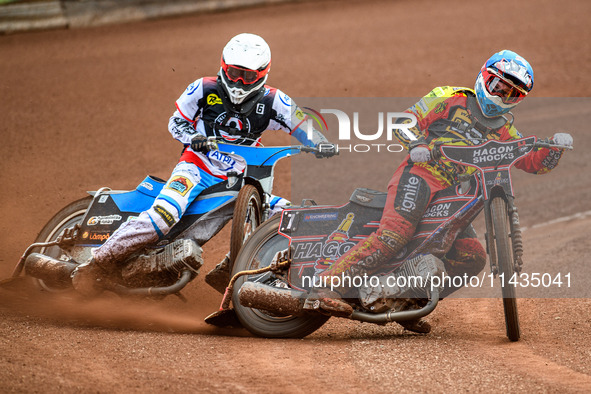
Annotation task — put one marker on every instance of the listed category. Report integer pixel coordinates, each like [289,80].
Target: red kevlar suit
[446,113]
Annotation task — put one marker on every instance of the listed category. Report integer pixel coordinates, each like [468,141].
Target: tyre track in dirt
[518,357]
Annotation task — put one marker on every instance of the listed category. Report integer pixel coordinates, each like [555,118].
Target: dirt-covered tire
[246,219]
[66,218]
[258,252]
[506,267]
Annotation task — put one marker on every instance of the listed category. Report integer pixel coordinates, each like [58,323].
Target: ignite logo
[409,200]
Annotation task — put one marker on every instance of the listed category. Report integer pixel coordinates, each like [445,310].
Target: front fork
[515,235]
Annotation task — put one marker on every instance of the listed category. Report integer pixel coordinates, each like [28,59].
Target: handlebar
[436,152]
[325,149]
[544,144]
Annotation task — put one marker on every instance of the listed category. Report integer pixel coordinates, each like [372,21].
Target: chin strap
[480,122]
[246,107]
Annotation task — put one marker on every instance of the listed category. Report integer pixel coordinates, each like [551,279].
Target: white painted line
[579,215]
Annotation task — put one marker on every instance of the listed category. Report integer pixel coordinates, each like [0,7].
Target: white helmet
[245,64]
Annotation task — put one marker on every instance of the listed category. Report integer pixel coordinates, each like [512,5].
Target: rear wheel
[258,252]
[66,218]
[500,217]
[247,217]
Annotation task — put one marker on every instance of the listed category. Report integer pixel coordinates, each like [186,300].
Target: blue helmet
[504,80]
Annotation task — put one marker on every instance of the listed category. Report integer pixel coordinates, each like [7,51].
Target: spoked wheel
[500,217]
[247,217]
[258,252]
[66,218]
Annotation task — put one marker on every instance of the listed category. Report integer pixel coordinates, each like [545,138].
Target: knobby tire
[500,221]
[258,252]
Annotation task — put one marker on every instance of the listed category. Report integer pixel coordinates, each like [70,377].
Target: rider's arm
[287,116]
[182,123]
[539,160]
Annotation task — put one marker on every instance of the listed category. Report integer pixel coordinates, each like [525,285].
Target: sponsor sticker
[165,215]
[440,107]
[213,99]
[422,106]
[99,236]
[300,114]
[285,99]
[321,216]
[193,87]
[147,185]
[362,198]
[103,220]
[180,184]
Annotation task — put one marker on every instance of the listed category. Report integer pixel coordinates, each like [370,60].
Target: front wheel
[246,218]
[66,218]
[500,217]
[258,252]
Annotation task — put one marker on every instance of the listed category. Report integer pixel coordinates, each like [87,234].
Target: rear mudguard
[109,209]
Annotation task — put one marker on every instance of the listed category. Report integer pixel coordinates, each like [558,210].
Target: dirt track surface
[83,109]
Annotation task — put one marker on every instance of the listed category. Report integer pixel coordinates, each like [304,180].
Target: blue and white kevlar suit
[200,110]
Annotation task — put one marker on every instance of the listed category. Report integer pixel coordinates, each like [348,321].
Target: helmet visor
[247,76]
[503,88]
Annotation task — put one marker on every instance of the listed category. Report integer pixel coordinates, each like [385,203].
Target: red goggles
[502,87]
[246,75]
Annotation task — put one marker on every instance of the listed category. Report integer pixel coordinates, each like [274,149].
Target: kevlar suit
[445,114]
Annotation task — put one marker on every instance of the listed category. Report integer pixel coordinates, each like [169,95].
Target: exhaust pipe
[272,299]
[290,302]
[49,269]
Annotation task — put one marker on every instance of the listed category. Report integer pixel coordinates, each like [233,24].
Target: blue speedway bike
[166,268]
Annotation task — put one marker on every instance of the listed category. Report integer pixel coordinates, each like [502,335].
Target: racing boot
[219,277]
[419,326]
[365,258]
[94,276]
[467,257]
[329,302]
[91,279]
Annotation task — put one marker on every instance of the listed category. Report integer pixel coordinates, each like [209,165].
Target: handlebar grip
[550,145]
[304,148]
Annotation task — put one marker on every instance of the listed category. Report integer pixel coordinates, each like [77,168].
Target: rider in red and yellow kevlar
[446,114]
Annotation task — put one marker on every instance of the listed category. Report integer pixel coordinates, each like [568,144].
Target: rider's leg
[278,204]
[466,258]
[185,184]
[409,193]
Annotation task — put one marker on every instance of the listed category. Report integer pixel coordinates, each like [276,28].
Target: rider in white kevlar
[236,107]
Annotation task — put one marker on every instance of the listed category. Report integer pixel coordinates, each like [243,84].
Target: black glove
[200,143]
[326,149]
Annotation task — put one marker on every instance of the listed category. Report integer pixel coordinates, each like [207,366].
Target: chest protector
[233,127]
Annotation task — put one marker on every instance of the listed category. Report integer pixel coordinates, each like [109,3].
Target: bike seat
[369,198]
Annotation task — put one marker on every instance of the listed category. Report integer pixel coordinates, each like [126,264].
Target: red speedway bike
[270,288]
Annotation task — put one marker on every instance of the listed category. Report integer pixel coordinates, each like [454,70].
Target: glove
[326,149]
[201,143]
[563,139]
[420,154]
